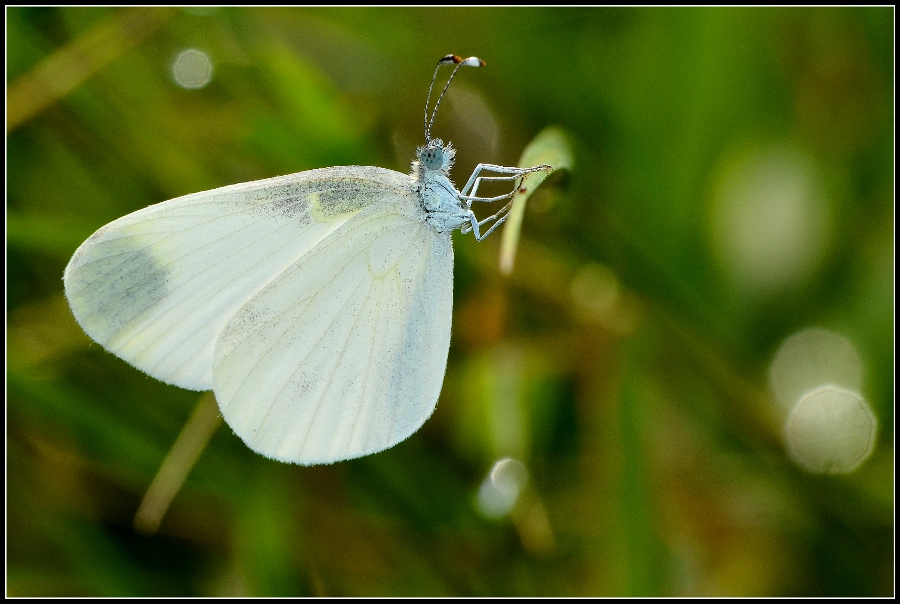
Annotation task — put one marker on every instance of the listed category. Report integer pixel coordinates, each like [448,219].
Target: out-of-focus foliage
[732,185]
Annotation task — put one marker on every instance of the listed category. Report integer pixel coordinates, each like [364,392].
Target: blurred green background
[732,185]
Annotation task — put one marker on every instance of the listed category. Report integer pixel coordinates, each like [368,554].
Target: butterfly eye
[433,158]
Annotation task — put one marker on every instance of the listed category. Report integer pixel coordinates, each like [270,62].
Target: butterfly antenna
[459,61]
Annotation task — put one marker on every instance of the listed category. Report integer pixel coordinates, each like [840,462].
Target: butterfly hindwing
[344,353]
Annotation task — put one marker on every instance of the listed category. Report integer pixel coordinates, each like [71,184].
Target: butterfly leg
[469,194]
[473,194]
[475,178]
[475,225]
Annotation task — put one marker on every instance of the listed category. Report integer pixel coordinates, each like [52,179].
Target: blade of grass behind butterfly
[551,147]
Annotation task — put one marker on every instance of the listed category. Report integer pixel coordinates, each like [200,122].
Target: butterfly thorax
[439,197]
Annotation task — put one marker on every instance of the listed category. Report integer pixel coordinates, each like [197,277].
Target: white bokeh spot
[192,69]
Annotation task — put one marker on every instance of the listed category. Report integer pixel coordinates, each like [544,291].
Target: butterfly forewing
[158,286]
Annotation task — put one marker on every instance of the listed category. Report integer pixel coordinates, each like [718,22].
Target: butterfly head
[433,157]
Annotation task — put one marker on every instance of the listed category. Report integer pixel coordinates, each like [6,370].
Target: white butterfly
[316,306]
